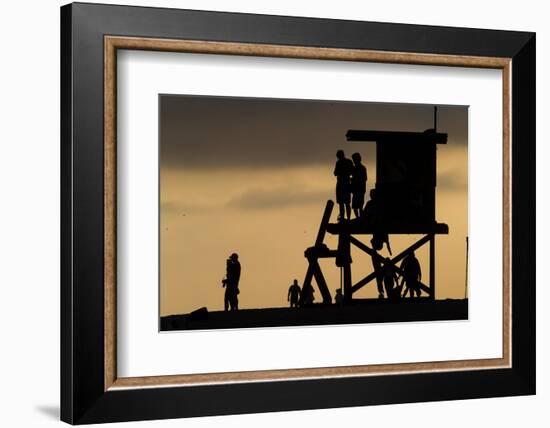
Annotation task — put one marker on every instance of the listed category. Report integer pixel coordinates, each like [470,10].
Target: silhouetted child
[339,297]
[294,294]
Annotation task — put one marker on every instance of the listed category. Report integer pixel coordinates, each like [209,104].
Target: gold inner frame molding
[113,43]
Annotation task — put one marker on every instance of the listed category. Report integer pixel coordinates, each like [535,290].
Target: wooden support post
[432,267]
[344,249]
[347,284]
[314,253]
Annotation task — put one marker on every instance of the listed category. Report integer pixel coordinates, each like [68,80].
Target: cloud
[169,206]
[277,198]
[204,133]
[454,179]
[252,199]
[179,208]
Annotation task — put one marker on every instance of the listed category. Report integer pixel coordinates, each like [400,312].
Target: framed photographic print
[257,188]
[265,213]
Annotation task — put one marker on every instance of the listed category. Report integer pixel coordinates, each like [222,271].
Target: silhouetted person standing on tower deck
[294,294]
[342,171]
[231,283]
[358,185]
[412,274]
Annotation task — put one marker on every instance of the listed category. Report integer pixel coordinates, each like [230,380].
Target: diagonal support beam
[372,276]
[397,258]
[394,260]
[321,283]
[363,282]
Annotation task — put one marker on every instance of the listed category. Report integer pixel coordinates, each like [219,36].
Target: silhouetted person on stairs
[377,267]
[294,294]
[374,214]
[342,171]
[358,185]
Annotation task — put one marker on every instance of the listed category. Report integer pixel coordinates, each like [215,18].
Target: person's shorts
[358,200]
[343,193]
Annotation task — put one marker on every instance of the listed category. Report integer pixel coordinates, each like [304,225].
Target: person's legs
[340,201]
[232,298]
[358,200]
[226,299]
[408,287]
[342,212]
[388,284]
[417,288]
[347,199]
[380,285]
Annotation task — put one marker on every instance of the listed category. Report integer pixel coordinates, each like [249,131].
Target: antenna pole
[466,280]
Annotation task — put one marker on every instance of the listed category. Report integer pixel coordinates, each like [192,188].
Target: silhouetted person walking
[342,171]
[231,283]
[294,294]
[412,274]
[358,185]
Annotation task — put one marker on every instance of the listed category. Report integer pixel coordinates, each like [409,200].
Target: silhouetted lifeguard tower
[405,196]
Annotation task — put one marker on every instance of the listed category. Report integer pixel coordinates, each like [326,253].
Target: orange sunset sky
[252,176]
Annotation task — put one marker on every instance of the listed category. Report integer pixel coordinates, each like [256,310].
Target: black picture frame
[83,396]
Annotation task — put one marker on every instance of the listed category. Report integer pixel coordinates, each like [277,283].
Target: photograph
[293,212]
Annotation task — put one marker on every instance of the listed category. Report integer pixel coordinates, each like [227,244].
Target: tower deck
[359,227]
